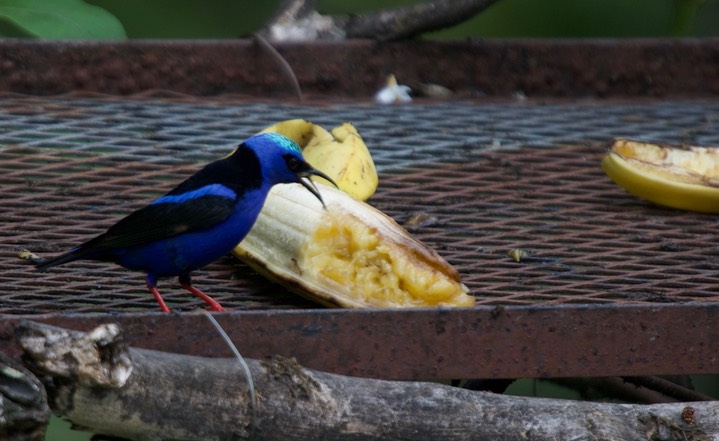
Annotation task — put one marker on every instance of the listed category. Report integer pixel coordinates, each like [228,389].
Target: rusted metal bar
[511,342]
[357,68]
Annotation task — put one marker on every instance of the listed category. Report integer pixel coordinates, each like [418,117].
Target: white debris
[393,92]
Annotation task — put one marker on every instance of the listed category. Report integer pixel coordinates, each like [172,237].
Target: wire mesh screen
[473,180]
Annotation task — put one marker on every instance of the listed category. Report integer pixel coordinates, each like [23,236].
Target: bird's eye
[294,163]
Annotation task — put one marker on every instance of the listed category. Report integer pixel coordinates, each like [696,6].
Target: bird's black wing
[161,221]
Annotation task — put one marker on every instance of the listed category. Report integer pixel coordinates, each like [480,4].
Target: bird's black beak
[304,179]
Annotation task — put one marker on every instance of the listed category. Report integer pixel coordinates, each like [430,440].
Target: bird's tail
[70,256]
[88,250]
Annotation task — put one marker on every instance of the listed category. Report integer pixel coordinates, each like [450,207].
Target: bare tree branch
[411,21]
[169,396]
[299,20]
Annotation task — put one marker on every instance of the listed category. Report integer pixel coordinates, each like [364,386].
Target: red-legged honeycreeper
[202,219]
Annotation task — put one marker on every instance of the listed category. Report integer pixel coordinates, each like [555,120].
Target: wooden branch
[413,20]
[24,413]
[298,20]
[142,394]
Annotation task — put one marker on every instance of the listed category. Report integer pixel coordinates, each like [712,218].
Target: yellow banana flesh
[341,154]
[347,160]
[300,131]
[678,177]
[347,255]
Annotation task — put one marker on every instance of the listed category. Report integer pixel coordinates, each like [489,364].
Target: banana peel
[348,255]
[342,154]
[300,131]
[681,177]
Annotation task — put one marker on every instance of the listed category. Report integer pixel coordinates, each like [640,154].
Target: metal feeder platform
[611,285]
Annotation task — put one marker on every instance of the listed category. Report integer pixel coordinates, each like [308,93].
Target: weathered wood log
[24,413]
[98,382]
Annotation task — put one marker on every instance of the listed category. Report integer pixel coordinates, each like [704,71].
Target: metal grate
[482,177]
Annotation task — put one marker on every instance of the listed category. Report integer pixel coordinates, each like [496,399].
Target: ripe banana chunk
[679,177]
[342,154]
[348,255]
[346,160]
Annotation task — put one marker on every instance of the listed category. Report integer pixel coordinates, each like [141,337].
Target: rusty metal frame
[483,342]
[480,68]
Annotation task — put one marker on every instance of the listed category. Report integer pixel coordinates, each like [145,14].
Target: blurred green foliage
[189,18]
[570,18]
[117,19]
[61,430]
[592,18]
[58,19]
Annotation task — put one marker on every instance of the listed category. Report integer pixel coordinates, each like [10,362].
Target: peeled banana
[347,255]
[678,177]
[341,154]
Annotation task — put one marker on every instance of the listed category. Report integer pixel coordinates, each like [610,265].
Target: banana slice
[346,160]
[341,154]
[678,177]
[348,255]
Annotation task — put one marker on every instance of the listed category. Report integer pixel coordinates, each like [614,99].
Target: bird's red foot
[158,297]
[214,305]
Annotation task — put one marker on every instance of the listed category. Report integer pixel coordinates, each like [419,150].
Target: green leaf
[58,19]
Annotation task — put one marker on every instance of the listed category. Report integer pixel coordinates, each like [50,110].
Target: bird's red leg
[187,284]
[153,289]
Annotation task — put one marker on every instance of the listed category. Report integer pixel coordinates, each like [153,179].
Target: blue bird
[202,219]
